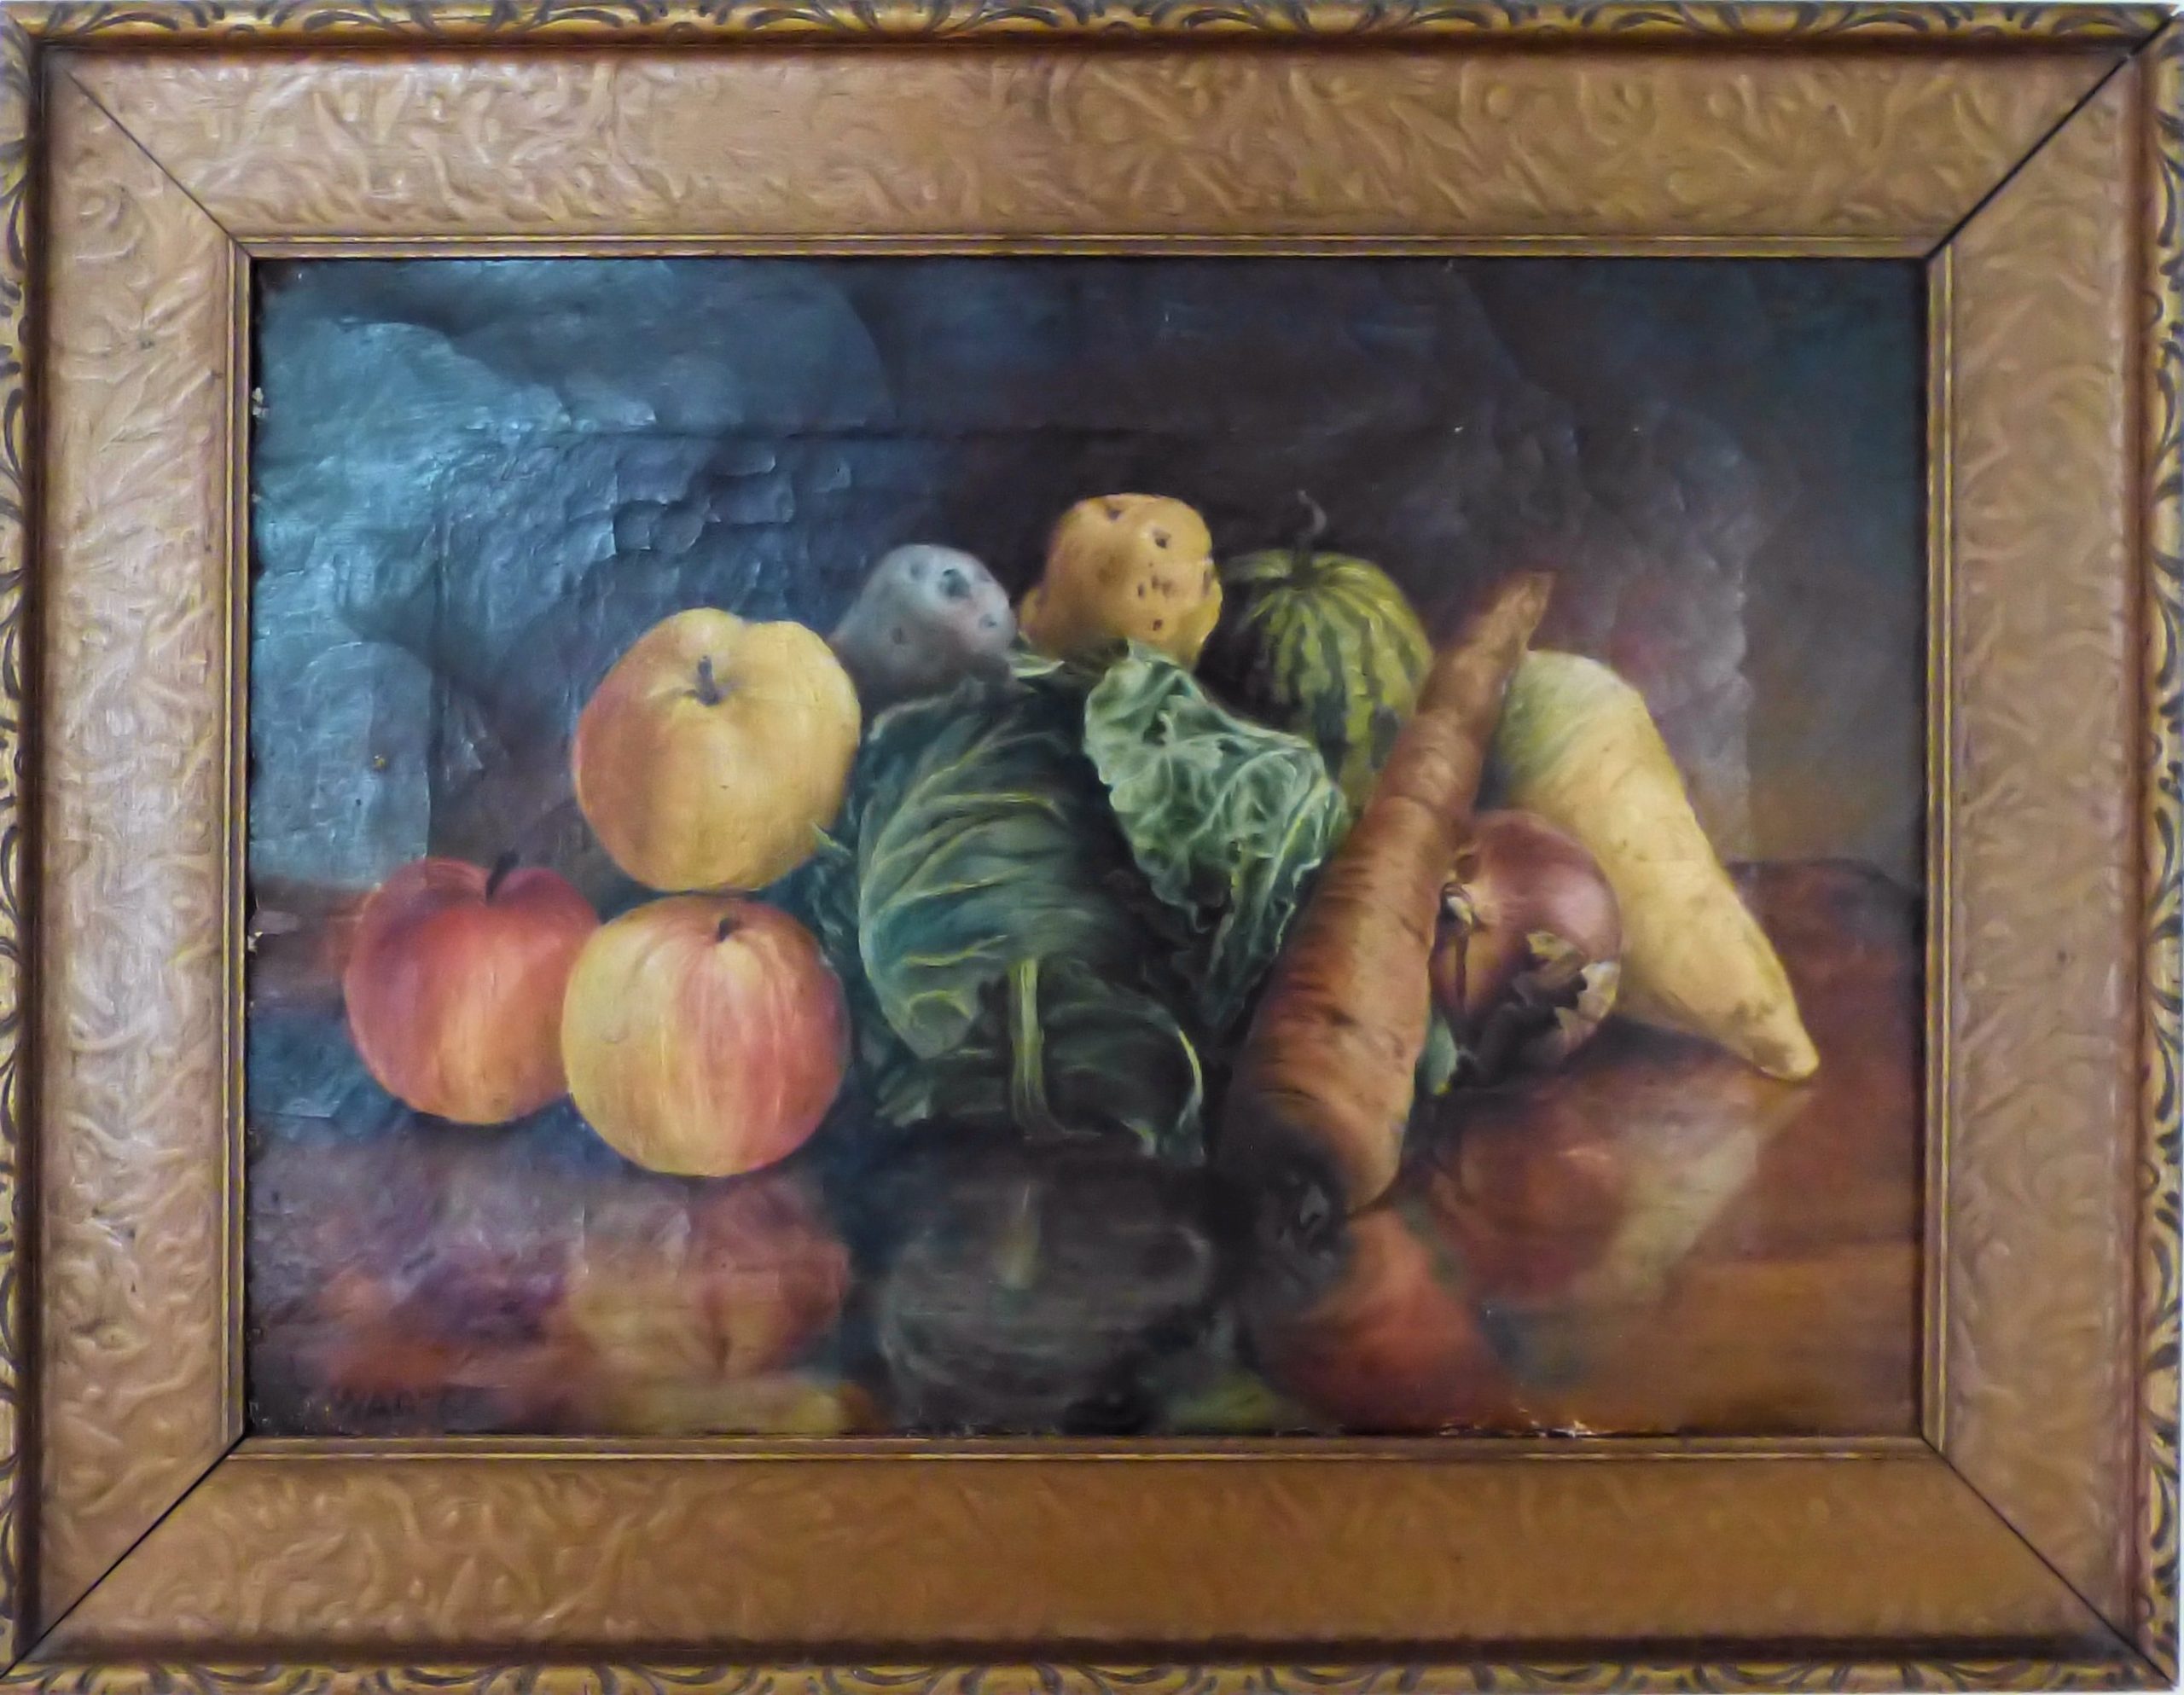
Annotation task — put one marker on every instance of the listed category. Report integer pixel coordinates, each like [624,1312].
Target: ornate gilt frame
[2031,156]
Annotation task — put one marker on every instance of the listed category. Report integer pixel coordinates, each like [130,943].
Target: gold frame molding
[2031,156]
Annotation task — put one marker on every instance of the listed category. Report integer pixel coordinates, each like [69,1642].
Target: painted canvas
[1086,846]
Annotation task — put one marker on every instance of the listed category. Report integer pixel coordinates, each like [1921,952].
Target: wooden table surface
[1654,1239]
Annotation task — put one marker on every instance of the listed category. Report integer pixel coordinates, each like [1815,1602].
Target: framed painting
[1095,847]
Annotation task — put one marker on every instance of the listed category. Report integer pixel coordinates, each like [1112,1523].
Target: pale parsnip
[1577,746]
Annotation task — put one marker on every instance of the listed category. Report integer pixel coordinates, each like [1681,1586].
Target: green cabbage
[1069,1053]
[1225,818]
[1051,897]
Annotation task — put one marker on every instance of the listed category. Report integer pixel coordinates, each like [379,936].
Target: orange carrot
[1321,1091]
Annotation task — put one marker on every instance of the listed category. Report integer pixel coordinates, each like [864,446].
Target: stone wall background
[475,482]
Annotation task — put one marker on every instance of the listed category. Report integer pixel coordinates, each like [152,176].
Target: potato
[1125,568]
[926,617]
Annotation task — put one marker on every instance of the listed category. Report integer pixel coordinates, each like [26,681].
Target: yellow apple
[704,1035]
[715,751]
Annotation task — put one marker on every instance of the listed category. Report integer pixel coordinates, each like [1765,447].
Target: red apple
[705,1035]
[454,986]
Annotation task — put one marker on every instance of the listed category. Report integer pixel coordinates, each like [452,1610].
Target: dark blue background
[476,482]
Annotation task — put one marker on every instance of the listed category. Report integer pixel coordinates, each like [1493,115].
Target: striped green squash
[1324,646]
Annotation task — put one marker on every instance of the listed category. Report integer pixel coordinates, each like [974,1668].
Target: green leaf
[981,840]
[1442,1058]
[1061,1051]
[1227,820]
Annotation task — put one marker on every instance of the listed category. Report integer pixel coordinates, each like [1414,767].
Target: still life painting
[1093,846]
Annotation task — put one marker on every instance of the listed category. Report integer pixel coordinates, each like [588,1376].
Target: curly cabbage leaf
[1066,1053]
[978,842]
[981,906]
[1227,819]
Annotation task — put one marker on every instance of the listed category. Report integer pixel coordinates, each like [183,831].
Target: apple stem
[498,875]
[708,691]
[727,927]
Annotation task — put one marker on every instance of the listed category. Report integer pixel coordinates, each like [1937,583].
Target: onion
[1528,952]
